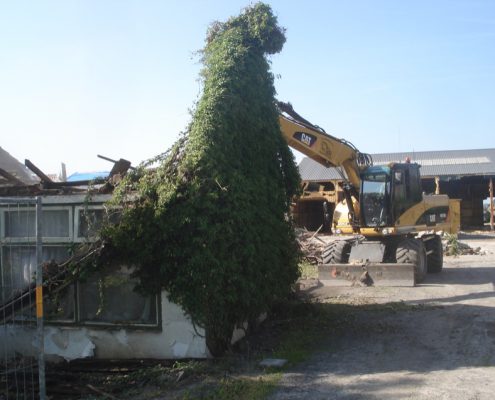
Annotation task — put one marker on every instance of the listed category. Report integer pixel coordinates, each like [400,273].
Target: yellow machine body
[388,221]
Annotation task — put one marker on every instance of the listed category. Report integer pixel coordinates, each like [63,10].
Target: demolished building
[100,316]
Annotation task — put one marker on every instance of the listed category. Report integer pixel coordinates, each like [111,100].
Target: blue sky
[80,78]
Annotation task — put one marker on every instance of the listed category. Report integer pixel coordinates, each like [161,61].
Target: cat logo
[305,138]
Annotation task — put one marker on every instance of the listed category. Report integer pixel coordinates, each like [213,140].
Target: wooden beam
[120,167]
[37,171]
[116,161]
[56,185]
[11,178]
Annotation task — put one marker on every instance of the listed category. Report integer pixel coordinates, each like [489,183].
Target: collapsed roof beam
[37,171]
[56,185]
[120,166]
[11,178]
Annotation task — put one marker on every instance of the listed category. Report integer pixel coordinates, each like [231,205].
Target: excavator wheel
[413,251]
[336,252]
[435,258]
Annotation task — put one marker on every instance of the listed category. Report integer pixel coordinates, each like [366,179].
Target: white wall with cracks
[178,338]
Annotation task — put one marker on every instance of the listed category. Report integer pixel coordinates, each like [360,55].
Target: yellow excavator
[390,232]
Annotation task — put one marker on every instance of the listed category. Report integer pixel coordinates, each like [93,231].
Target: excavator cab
[387,191]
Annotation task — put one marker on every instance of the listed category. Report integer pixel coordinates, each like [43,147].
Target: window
[20,225]
[110,298]
[313,187]
[415,184]
[399,187]
[89,221]
[328,186]
[90,218]
[107,298]
[19,268]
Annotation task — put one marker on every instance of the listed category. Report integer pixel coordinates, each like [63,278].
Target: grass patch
[452,247]
[308,270]
[242,388]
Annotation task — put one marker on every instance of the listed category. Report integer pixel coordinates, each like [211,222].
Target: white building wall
[178,338]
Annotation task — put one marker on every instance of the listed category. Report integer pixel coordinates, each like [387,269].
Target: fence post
[491,204]
[39,300]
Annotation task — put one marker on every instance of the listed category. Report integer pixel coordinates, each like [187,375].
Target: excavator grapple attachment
[368,274]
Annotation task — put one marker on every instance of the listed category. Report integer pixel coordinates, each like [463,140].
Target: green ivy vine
[209,224]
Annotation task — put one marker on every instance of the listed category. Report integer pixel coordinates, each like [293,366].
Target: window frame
[74,206]
[3,248]
[157,325]
[77,221]
[32,239]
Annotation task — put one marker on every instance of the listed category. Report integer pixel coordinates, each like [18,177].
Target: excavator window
[414,183]
[406,188]
[400,193]
[374,199]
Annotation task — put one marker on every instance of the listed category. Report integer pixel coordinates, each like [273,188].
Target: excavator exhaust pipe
[367,274]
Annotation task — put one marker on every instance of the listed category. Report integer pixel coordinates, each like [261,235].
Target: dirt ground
[438,344]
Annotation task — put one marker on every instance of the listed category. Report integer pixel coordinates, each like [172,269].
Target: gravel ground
[442,348]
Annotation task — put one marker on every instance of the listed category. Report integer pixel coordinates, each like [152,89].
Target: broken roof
[14,173]
[444,163]
[19,180]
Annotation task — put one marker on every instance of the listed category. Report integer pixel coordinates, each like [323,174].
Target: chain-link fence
[22,367]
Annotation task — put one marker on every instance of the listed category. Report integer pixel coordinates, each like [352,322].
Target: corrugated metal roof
[446,163]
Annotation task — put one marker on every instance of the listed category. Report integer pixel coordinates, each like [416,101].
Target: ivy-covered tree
[210,225]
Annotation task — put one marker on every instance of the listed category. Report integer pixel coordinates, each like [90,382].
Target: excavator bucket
[368,274]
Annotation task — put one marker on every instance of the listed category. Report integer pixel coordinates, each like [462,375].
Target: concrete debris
[457,248]
[273,362]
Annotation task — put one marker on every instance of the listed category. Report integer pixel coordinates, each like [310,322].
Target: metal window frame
[74,209]
[53,239]
[77,221]
[156,325]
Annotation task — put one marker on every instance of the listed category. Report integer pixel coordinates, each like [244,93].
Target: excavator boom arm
[329,151]
[320,146]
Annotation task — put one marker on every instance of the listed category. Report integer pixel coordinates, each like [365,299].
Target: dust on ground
[439,345]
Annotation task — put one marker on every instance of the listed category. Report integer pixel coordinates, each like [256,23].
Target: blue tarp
[87,176]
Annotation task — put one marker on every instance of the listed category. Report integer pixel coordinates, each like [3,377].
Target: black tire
[434,260]
[413,251]
[336,252]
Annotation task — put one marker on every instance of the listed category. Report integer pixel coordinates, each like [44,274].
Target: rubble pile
[311,245]
[453,247]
